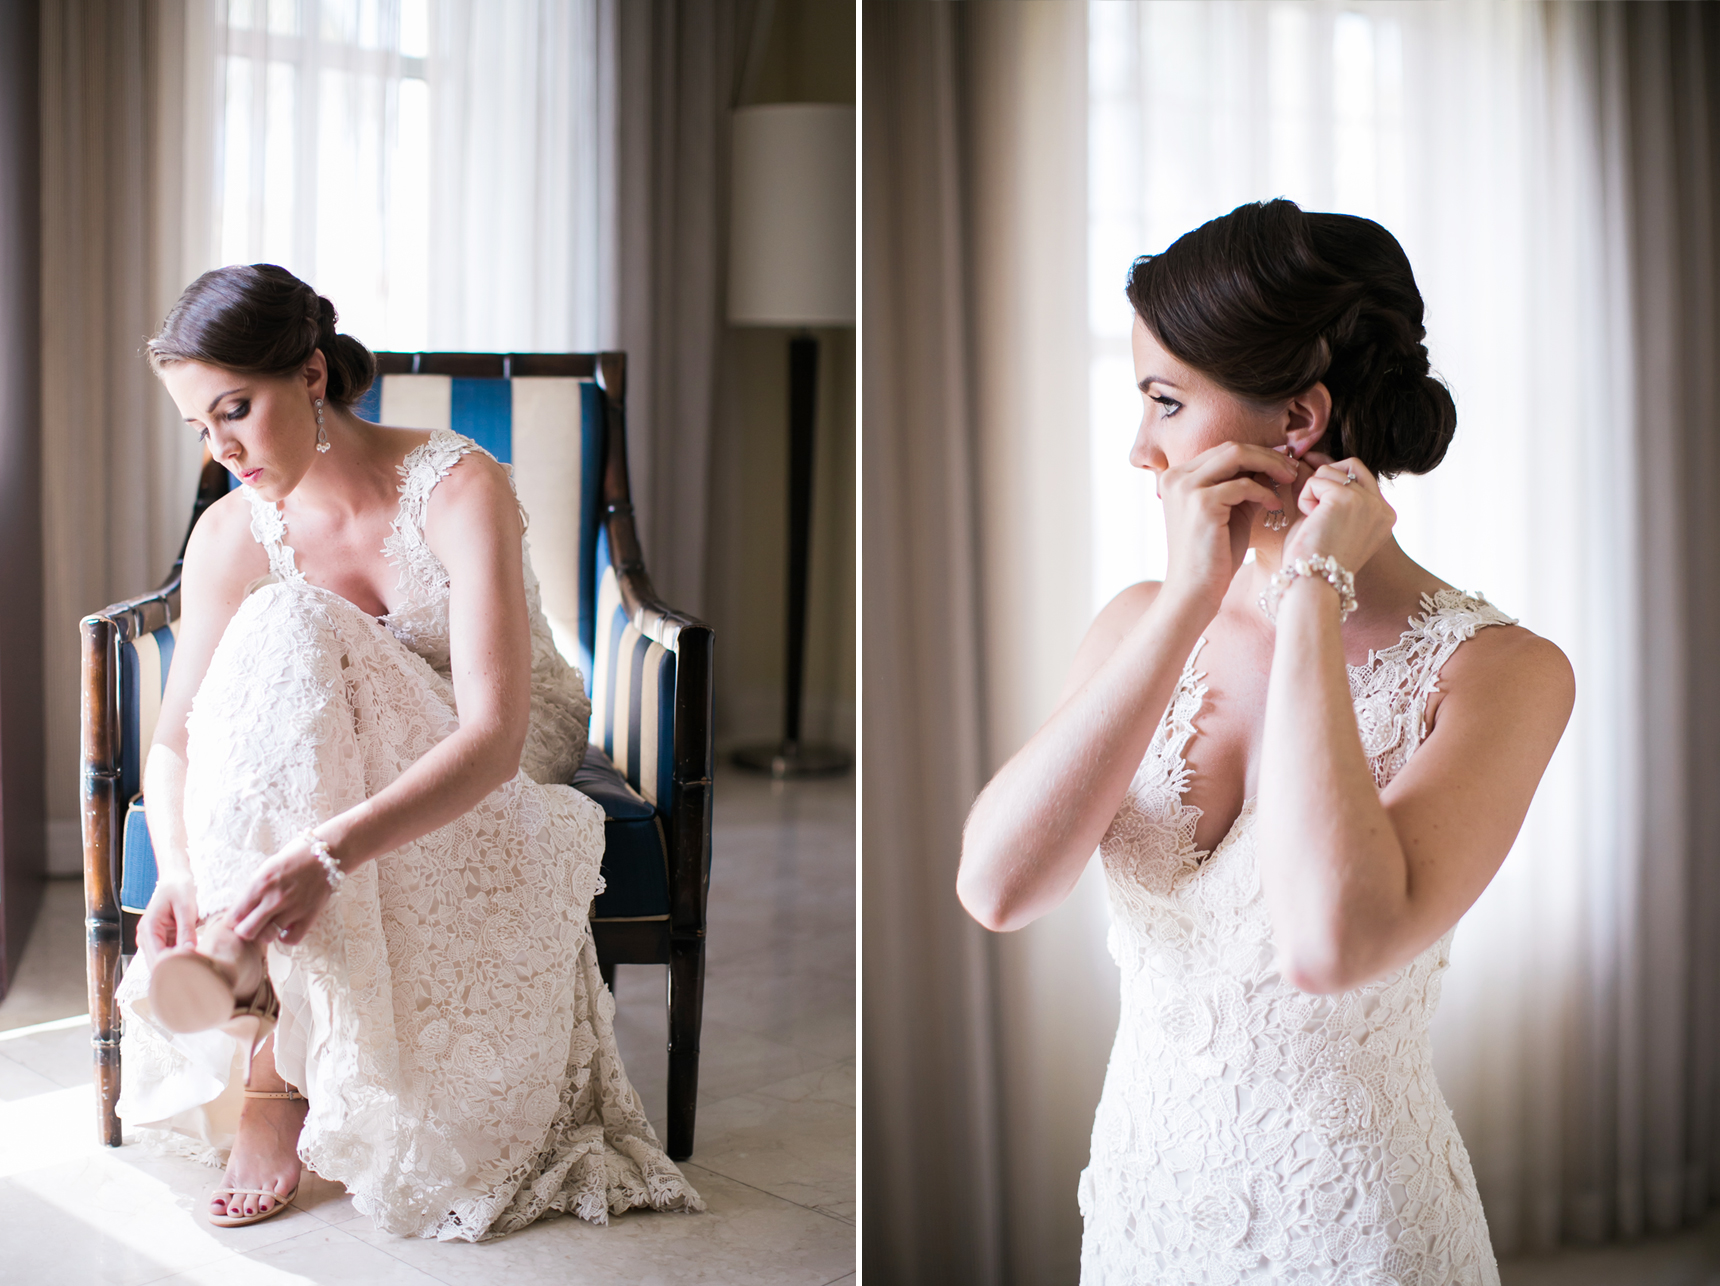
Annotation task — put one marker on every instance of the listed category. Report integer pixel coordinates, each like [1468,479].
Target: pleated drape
[125,173]
[931,1159]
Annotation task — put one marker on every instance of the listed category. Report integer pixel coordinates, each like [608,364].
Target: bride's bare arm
[473,526]
[1359,881]
[1034,827]
[220,560]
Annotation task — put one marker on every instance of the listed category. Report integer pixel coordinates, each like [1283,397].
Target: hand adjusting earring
[322,433]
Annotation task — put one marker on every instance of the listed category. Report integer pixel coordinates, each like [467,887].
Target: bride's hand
[1347,520]
[1210,505]
[169,919]
[284,897]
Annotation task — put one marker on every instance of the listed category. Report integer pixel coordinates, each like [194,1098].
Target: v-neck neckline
[1434,605]
[404,470]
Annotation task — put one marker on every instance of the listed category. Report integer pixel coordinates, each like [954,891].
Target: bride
[1299,771]
[369,948]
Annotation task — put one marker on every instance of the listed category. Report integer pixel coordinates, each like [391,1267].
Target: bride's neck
[1389,585]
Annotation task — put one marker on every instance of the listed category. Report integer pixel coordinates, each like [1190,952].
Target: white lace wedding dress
[1248,1131]
[445,1015]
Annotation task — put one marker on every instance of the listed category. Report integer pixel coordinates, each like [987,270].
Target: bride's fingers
[1229,459]
[1241,491]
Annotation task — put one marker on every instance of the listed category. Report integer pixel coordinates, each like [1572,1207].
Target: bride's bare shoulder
[222,556]
[1114,620]
[1508,667]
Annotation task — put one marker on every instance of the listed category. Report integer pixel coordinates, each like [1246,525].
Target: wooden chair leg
[686,1005]
[104,963]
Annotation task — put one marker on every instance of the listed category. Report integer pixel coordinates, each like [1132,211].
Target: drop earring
[322,433]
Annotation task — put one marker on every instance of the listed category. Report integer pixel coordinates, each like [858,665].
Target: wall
[807,56]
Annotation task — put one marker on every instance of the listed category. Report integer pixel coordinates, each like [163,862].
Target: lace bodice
[1249,1131]
[560,707]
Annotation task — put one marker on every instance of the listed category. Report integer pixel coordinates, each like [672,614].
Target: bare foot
[265,1153]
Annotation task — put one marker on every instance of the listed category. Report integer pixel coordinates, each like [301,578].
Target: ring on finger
[1349,476]
[281,932]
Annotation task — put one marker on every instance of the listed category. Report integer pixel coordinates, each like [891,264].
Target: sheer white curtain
[1526,155]
[443,170]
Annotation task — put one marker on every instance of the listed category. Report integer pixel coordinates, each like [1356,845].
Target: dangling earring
[1279,519]
[322,433]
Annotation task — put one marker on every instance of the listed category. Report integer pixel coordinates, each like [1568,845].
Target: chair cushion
[635,856]
[137,870]
[550,430]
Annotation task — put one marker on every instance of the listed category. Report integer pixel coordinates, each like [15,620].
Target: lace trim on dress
[424,466]
[1392,688]
[269,528]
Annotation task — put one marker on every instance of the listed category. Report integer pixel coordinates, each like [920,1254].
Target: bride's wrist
[1177,603]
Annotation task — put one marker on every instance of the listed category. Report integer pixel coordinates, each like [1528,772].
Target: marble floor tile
[745,1236]
[127,1217]
[50,982]
[322,1254]
[18,1081]
[793,1139]
[61,1056]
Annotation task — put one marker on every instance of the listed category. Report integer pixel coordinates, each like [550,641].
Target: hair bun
[1268,300]
[251,318]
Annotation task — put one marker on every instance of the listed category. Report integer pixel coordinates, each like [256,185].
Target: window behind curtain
[1195,109]
[323,154]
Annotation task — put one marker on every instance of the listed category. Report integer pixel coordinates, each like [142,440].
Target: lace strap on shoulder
[1449,618]
[270,531]
[423,467]
[1392,691]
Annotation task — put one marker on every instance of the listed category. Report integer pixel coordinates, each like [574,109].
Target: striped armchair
[560,420]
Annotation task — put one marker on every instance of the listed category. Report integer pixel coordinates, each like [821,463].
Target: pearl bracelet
[1323,566]
[331,868]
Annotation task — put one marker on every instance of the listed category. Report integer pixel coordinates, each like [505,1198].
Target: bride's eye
[1171,405]
[240,411]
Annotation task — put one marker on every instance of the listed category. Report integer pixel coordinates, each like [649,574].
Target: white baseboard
[65,849]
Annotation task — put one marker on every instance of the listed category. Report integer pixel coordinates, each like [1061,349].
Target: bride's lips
[248,476]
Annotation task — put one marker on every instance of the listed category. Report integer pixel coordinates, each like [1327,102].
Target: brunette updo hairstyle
[259,319]
[1269,299]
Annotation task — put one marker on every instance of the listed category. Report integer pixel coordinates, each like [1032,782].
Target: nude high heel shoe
[191,991]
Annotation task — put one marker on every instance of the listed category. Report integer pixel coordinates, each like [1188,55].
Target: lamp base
[787,760]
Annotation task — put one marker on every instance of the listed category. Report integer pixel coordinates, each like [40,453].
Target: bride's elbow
[984,894]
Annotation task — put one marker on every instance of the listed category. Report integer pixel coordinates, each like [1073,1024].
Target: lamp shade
[791,227]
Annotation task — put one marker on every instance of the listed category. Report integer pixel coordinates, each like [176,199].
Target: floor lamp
[791,264]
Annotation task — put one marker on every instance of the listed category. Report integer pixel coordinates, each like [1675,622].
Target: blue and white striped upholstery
[143,665]
[633,698]
[551,430]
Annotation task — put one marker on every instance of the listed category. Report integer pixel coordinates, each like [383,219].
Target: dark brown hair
[259,319]
[1268,300]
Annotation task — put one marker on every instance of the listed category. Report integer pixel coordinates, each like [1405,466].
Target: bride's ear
[1306,417]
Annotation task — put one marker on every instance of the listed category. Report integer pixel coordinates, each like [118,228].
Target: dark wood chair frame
[678,942]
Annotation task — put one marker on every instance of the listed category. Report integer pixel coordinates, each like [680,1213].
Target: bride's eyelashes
[1170,404]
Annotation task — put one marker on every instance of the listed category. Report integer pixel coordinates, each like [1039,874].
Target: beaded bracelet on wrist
[331,868]
[1320,566]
